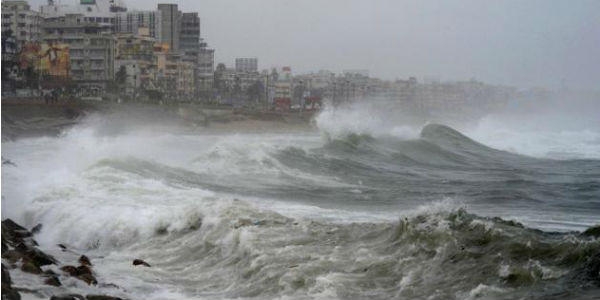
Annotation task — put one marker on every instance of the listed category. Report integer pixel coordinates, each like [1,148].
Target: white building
[102,12]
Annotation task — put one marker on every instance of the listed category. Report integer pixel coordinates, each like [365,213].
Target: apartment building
[21,21]
[91,49]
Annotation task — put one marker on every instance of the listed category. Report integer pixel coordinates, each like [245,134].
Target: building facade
[132,21]
[189,36]
[206,69]
[246,64]
[170,23]
[91,50]
[100,12]
[23,23]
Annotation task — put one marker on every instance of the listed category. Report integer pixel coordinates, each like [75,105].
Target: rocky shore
[20,254]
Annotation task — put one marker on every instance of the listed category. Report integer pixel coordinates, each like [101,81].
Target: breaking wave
[356,214]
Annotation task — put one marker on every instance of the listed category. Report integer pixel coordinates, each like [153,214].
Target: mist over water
[375,202]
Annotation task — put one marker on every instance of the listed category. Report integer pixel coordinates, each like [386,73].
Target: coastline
[34,118]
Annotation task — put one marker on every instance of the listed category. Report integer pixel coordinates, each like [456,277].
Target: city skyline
[523,44]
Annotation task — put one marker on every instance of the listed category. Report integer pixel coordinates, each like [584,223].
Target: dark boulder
[6,276]
[24,247]
[83,270]
[52,280]
[68,297]
[88,278]
[71,270]
[12,255]
[40,258]
[8,292]
[84,260]
[137,262]
[36,229]
[12,227]
[101,297]
[83,273]
[30,267]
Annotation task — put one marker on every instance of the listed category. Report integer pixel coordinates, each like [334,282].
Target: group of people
[51,97]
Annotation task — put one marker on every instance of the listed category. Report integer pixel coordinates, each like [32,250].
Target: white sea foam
[376,118]
[163,197]
[537,137]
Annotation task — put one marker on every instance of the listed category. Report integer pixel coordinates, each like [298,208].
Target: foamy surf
[357,215]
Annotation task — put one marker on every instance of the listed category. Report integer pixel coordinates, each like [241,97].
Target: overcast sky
[516,42]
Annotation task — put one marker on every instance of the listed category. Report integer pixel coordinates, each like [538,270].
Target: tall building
[206,68]
[189,38]
[246,64]
[24,23]
[132,21]
[10,66]
[170,23]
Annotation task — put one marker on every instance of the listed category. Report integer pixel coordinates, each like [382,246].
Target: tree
[31,77]
[237,86]
[121,75]
[274,75]
[120,78]
[219,81]
[254,91]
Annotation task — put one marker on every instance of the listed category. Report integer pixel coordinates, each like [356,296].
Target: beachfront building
[91,49]
[189,37]
[282,90]
[99,12]
[206,68]
[246,64]
[186,87]
[132,21]
[135,56]
[170,24]
[10,67]
[190,46]
[22,22]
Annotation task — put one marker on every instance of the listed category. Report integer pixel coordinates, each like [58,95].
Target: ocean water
[359,208]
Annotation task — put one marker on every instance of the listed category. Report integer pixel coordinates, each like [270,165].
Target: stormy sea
[354,208]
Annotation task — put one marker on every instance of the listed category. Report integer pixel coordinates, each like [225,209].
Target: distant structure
[132,21]
[246,65]
[206,69]
[170,24]
[23,23]
[91,49]
[357,72]
[189,36]
[102,12]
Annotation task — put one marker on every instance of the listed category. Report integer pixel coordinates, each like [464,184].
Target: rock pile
[20,249]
